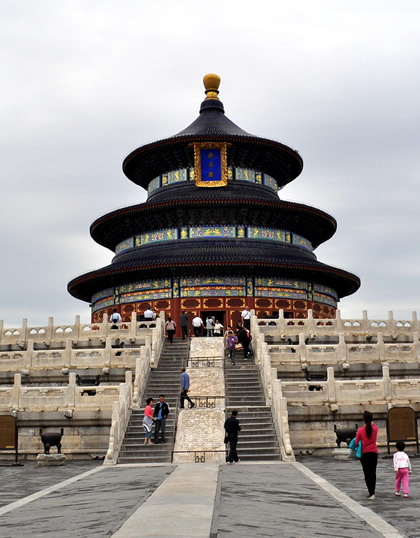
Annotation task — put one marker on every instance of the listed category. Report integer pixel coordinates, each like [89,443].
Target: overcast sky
[83,83]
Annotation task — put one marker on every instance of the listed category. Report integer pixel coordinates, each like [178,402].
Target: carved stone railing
[81,332]
[121,412]
[284,327]
[335,393]
[272,389]
[57,398]
[310,353]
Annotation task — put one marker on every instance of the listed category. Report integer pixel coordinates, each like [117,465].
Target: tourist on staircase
[148,421]
[185,387]
[161,413]
[170,327]
[230,344]
[244,338]
[232,428]
[183,323]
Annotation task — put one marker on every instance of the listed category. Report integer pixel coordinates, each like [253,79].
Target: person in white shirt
[246,318]
[218,329]
[402,467]
[197,323]
[116,316]
[148,314]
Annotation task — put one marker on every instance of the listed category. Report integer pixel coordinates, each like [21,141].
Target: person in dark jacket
[232,428]
[161,413]
[244,339]
[183,323]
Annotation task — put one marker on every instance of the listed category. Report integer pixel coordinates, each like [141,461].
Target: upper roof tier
[246,150]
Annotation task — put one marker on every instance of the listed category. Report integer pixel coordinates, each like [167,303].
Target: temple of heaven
[213,235]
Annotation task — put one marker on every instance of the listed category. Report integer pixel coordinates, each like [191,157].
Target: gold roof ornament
[211,83]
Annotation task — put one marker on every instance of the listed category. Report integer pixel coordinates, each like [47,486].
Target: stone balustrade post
[103,329]
[331,384]
[49,333]
[365,323]
[17,384]
[311,328]
[302,347]
[71,390]
[108,351]
[416,326]
[24,331]
[342,347]
[129,380]
[133,325]
[339,321]
[381,347]
[391,323]
[67,353]
[162,316]
[29,354]
[77,326]
[416,345]
[281,323]
[387,382]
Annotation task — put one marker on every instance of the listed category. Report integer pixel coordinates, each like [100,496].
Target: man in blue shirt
[185,385]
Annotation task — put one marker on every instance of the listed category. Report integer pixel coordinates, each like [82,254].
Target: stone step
[237,402]
[145,459]
[250,392]
[258,457]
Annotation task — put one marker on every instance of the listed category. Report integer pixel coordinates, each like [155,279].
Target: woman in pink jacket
[369,460]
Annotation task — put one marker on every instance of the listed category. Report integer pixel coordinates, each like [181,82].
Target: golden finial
[211,83]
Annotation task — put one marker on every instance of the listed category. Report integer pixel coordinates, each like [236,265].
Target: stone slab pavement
[313,497]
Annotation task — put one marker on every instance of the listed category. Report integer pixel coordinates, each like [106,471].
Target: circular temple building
[213,235]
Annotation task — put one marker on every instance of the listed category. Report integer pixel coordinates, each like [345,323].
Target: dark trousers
[184,396]
[160,425]
[233,455]
[171,333]
[245,345]
[247,324]
[197,331]
[369,461]
[184,332]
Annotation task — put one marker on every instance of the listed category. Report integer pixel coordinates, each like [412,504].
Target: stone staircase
[244,392]
[165,379]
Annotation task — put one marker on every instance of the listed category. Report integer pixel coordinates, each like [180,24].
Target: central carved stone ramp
[165,379]
[244,392]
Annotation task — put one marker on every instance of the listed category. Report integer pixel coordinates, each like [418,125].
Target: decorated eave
[208,260]
[312,223]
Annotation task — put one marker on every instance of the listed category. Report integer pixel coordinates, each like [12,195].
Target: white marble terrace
[305,410]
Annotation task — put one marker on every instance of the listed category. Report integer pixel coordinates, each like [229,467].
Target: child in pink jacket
[402,468]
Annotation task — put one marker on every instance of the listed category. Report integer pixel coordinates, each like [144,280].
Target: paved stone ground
[273,499]
[347,475]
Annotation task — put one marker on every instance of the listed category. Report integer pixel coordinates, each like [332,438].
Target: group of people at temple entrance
[211,325]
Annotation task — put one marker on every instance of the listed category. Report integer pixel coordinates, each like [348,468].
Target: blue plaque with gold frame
[210,161]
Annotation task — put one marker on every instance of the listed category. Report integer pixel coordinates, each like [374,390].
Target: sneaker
[405,495]
[192,405]
[371,497]
[229,463]
[398,494]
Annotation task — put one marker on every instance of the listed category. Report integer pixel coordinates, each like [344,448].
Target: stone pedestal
[50,460]
[341,453]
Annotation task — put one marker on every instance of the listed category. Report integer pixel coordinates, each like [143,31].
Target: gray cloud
[85,83]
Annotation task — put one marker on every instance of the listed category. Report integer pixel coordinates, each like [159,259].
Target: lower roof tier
[204,258]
